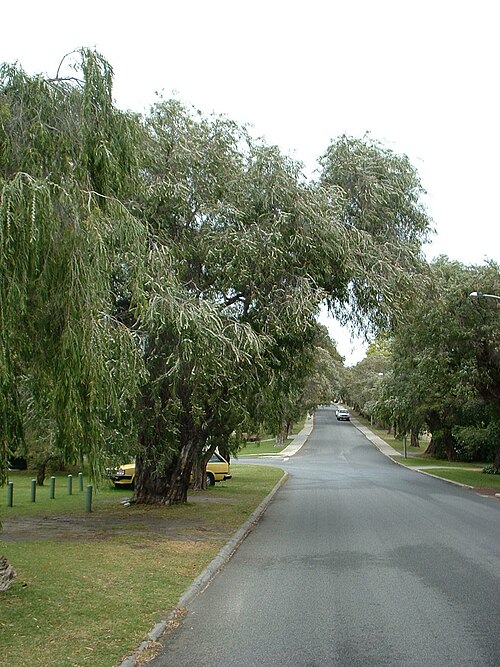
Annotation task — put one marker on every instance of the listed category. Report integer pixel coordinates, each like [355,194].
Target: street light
[480,295]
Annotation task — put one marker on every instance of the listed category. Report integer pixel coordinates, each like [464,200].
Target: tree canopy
[161,275]
[443,368]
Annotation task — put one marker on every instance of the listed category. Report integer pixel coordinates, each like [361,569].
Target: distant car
[343,415]
[217,470]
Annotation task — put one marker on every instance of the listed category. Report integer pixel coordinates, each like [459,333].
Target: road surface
[358,562]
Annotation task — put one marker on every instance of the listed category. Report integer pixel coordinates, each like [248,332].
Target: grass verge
[477,479]
[262,447]
[91,586]
[267,444]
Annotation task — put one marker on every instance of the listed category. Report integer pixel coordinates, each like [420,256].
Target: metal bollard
[10,494]
[33,490]
[80,481]
[88,499]
[52,487]
[70,485]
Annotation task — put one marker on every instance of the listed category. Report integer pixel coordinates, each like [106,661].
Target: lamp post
[480,295]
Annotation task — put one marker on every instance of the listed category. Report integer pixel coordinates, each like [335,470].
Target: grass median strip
[91,586]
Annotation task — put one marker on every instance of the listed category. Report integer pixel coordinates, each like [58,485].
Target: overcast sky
[420,76]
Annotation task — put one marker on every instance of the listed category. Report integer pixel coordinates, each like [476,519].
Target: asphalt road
[358,562]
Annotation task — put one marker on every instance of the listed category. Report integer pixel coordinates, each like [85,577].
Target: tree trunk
[496,462]
[414,439]
[442,445]
[168,485]
[199,469]
[153,486]
[7,574]
[225,452]
[40,474]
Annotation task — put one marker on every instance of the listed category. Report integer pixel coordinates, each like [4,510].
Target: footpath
[376,440]
[299,439]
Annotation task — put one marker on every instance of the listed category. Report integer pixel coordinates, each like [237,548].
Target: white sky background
[420,76]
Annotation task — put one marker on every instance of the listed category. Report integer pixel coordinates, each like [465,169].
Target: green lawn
[90,586]
[262,447]
[471,478]
[267,444]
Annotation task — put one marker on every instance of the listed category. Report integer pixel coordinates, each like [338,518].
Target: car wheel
[210,479]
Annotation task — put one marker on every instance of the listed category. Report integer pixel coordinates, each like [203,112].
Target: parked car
[343,415]
[217,470]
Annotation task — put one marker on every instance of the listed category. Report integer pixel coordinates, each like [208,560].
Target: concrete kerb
[202,581]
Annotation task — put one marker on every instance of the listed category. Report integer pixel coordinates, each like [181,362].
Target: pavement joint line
[212,569]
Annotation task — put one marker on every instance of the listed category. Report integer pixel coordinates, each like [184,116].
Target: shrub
[491,470]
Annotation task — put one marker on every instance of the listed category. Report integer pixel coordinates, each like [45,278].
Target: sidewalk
[299,439]
[376,440]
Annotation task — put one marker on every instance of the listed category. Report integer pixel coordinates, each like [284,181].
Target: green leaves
[161,276]
[378,195]
[446,359]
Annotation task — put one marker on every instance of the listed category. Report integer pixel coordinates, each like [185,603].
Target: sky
[419,76]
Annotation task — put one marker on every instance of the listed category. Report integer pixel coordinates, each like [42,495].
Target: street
[357,562]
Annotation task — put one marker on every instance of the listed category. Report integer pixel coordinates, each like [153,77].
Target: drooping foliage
[378,195]
[161,276]
[67,366]
[445,364]
[241,226]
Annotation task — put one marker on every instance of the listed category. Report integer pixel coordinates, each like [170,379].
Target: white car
[343,415]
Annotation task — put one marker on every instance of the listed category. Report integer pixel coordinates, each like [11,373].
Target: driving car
[217,470]
[343,415]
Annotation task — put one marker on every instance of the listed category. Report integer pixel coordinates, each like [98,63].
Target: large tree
[445,367]
[68,369]
[161,276]
[66,156]
[244,235]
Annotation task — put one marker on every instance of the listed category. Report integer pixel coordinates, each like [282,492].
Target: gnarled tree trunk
[167,484]
[7,574]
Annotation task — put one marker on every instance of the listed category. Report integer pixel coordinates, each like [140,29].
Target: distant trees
[443,371]
[161,275]
[363,381]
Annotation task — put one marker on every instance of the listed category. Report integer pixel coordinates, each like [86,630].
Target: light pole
[480,295]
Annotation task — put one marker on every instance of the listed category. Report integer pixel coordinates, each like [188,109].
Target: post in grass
[88,499]
[33,490]
[70,485]
[52,487]
[10,494]
[80,481]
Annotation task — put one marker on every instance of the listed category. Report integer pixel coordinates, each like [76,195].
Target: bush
[491,470]
[475,443]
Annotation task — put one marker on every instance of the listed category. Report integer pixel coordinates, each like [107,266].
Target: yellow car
[217,470]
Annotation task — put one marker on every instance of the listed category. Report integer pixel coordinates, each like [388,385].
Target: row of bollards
[52,491]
